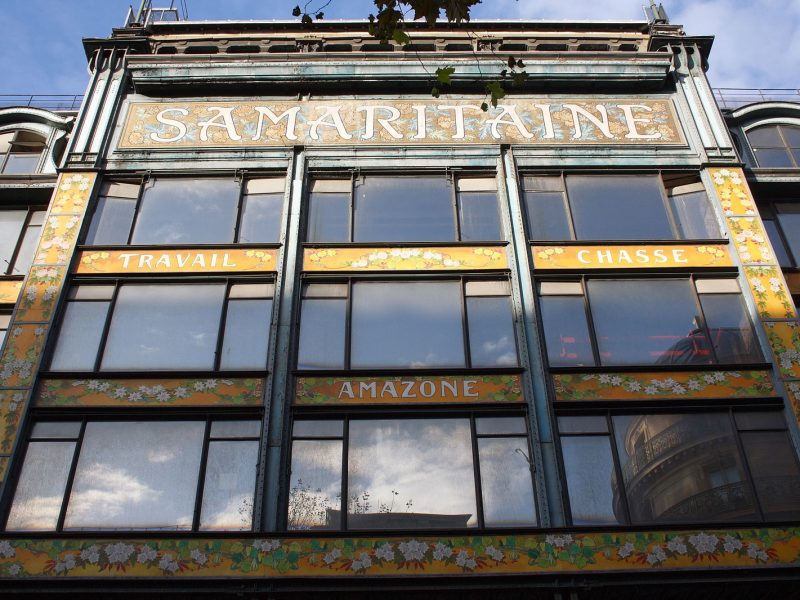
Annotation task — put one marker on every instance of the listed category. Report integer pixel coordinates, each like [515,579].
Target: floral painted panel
[11,407]
[784,338]
[73,193]
[630,256]
[408,389]
[702,550]
[41,293]
[9,291]
[24,344]
[733,192]
[404,259]
[176,261]
[135,392]
[635,386]
[770,293]
[59,235]
[751,240]
[518,120]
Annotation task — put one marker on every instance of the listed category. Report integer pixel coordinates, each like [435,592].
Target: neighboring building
[296,327]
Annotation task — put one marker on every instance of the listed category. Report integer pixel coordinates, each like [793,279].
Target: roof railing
[730,98]
[52,102]
[147,14]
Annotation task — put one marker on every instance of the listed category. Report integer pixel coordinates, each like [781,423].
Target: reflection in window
[173,211]
[164,327]
[432,487]
[19,235]
[775,146]
[137,475]
[782,222]
[20,152]
[679,468]
[5,321]
[588,207]
[406,324]
[646,321]
[403,209]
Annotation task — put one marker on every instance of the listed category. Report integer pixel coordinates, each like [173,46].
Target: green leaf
[401,37]
[306,20]
[435,92]
[496,91]
[484,107]
[296,12]
[443,75]
[319,16]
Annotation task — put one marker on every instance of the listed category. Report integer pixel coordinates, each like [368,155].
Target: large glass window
[776,146]
[427,208]
[782,222]
[617,207]
[422,473]
[19,235]
[181,211]
[679,468]
[406,324]
[161,475]
[138,326]
[646,322]
[20,152]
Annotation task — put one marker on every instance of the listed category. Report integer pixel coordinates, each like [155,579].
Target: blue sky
[757,41]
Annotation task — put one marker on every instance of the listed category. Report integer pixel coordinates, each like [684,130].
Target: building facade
[294,326]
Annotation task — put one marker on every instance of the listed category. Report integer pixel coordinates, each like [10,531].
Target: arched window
[776,146]
[20,152]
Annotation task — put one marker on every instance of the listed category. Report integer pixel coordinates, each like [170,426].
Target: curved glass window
[776,146]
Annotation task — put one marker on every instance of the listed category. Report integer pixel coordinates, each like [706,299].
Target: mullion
[62,515]
[612,440]
[223,317]
[673,224]
[201,477]
[704,324]
[344,483]
[565,201]
[590,324]
[465,325]
[240,209]
[352,208]
[136,208]
[456,206]
[476,471]
[348,322]
[106,327]
[12,262]
[746,466]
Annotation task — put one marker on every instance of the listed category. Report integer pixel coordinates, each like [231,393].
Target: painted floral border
[9,291]
[770,293]
[784,339]
[11,408]
[404,259]
[566,257]
[388,556]
[634,386]
[108,261]
[311,391]
[130,392]
[39,298]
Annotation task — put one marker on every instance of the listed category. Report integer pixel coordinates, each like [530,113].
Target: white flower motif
[14,569]
[633,386]
[7,550]
[464,560]
[146,554]
[441,551]
[677,546]
[120,392]
[17,331]
[180,392]
[679,389]
[626,550]
[775,284]
[266,546]
[385,552]
[704,543]
[198,556]
[69,561]
[731,544]
[167,564]
[756,553]
[162,396]
[656,556]
[693,384]
[119,552]
[199,386]
[650,390]
[413,550]
[331,556]
[616,380]
[363,562]
[91,554]
[606,379]
[558,541]
[135,396]
[494,553]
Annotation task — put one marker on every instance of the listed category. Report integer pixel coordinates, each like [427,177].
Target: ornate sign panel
[428,258]
[630,257]
[519,120]
[95,262]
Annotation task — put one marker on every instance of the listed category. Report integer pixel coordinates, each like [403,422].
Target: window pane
[781,252]
[431,487]
[773,465]
[694,216]
[40,491]
[792,135]
[547,216]
[315,490]
[322,332]
[773,157]
[588,424]
[329,218]
[647,322]
[246,334]
[598,203]
[493,425]
[232,429]
[506,482]
[404,209]
[11,223]
[766,136]
[789,218]
[730,329]
[187,211]
[229,486]
[318,428]
[136,476]
[56,429]
[164,327]
[480,219]
[261,218]
[79,336]
[112,220]
[413,325]
[27,248]
[20,163]
[759,420]
[491,332]
[681,468]
[592,485]
[566,332]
